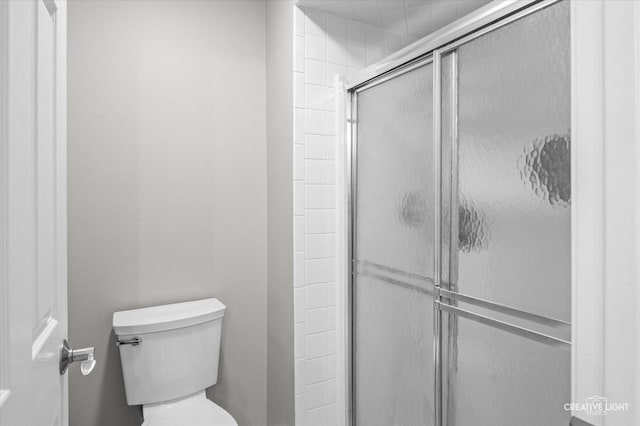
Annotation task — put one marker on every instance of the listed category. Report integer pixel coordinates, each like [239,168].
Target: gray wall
[167,186]
[280,357]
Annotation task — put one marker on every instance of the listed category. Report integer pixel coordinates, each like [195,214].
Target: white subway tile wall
[325,46]
[410,18]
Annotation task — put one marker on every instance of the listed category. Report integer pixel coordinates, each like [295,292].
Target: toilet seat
[195,411]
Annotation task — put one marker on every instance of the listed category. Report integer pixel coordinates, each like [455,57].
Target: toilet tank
[178,351]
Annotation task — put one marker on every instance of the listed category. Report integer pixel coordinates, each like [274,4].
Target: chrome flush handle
[134,341]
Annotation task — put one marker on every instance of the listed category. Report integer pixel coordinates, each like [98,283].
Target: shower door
[393,251]
[461,231]
[506,220]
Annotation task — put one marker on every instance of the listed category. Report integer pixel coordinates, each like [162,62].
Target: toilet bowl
[169,357]
[194,410]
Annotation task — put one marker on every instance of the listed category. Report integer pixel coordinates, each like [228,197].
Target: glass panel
[498,378]
[394,348]
[395,173]
[394,238]
[510,219]
[514,189]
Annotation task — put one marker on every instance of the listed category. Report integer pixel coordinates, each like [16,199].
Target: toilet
[169,357]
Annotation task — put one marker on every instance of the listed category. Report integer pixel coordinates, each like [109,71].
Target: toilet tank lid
[167,317]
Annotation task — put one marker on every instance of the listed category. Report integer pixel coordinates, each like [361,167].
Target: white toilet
[169,357]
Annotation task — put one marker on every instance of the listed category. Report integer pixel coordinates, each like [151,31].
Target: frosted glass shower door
[496,349]
[509,203]
[393,252]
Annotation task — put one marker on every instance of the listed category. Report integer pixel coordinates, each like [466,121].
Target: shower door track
[425,51]
[473,25]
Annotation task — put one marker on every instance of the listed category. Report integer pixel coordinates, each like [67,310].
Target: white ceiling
[413,18]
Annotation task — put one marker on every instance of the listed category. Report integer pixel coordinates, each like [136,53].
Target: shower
[459,308]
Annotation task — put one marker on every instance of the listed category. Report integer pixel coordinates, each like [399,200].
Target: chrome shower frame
[430,49]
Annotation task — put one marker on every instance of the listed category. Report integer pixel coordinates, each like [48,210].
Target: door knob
[85,355]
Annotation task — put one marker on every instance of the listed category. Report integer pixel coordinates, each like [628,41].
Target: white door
[33,264]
